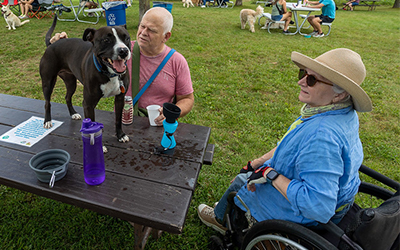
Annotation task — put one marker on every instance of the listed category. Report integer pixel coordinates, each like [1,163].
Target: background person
[279,13]
[328,9]
[350,4]
[311,175]
[25,6]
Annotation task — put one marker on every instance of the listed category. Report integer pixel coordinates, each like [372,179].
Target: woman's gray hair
[337,89]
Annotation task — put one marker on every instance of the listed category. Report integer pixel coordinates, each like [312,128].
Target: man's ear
[88,34]
[167,36]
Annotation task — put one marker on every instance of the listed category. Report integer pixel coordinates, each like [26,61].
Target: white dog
[11,19]
[187,3]
[250,16]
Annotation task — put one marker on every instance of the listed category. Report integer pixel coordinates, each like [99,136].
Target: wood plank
[133,199]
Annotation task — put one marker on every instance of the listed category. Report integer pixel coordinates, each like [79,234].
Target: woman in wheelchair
[311,175]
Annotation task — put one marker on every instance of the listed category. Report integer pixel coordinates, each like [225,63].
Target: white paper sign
[29,132]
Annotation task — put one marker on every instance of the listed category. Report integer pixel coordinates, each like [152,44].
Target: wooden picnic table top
[140,187]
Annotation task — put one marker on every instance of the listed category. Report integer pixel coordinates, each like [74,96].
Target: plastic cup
[153,113]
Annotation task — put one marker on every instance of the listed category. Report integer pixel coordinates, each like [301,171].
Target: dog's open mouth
[119,66]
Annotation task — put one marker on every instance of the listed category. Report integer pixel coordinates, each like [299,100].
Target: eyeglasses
[311,80]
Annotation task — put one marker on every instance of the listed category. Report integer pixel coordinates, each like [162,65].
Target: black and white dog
[98,61]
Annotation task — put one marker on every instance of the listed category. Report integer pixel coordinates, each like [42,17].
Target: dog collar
[110,75]
[8,15]
[99,68]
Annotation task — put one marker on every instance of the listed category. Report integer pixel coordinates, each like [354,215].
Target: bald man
[174,80]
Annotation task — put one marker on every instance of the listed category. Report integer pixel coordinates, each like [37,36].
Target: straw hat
[344,68]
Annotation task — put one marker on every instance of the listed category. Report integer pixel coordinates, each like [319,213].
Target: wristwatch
[272,175]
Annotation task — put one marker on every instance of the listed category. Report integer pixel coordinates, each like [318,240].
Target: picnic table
[151,191]
[371,4]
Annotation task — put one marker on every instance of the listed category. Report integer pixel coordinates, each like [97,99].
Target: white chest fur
[111,88]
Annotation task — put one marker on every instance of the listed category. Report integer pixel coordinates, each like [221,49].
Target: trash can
[115,13]
[166,5]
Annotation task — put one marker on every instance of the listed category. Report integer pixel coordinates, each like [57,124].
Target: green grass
[245,90]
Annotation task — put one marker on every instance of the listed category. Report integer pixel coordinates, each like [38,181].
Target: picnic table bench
[371,4]
[151,191]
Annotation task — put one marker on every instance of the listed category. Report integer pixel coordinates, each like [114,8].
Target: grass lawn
[245,90]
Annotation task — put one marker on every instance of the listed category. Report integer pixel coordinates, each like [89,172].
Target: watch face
[272,175]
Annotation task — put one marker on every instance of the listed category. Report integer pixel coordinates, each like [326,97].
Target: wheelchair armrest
[379,177]
[338,232]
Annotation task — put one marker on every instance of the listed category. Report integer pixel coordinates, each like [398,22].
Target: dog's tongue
[119,65]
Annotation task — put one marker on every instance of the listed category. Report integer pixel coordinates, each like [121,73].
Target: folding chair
[14,6]
[39,9]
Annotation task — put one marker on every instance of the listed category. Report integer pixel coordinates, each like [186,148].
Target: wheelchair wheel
[278,234]
[215,243]
[371,196]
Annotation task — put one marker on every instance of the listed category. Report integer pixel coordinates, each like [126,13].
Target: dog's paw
[124,138]
[105,150]
[76,116]
[47,125]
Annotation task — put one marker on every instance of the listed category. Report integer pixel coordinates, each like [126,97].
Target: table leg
[73,10]
[296,20]
[80,8]
[142,233]
[302,24]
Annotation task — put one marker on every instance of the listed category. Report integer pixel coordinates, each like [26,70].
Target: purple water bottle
[93,158]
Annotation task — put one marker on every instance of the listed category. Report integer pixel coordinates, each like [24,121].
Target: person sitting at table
[25,6]
[279,13]
[174,82]
[328,9]
[350,4]
[311,176]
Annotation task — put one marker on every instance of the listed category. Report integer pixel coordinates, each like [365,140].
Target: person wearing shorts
[328,9]
[350,4]
[280,13]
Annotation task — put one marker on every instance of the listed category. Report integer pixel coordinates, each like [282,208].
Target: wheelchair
[372,223]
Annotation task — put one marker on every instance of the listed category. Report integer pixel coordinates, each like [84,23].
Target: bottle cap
[89,127]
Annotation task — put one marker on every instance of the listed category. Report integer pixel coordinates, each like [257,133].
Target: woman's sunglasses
[311,80]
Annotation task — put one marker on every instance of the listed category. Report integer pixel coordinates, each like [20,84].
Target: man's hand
[247,168]
[159,119]
[256,178]
[58,36]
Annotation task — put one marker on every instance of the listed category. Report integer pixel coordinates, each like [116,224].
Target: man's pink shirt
[173,79]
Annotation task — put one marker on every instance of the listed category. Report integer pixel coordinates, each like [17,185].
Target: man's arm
[315,4]
[185,103]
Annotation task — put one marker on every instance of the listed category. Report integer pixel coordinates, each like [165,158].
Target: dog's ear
[88,35]
[123,26]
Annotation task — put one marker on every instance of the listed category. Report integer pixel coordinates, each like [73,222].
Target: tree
[144,5]
[396,4]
